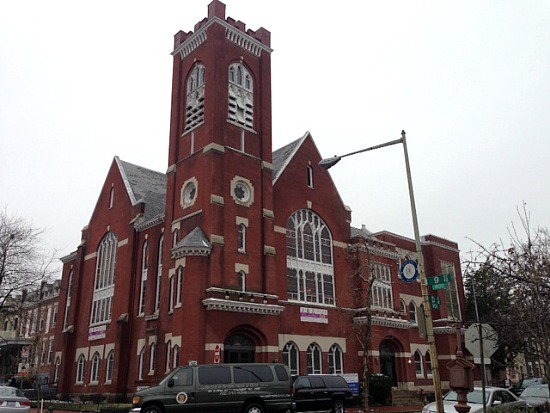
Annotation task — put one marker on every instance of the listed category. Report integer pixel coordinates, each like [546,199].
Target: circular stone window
[189,193]
[241,191]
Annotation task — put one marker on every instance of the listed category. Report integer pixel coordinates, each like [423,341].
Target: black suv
[322,392]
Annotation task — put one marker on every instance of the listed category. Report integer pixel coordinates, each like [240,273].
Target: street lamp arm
[328,163]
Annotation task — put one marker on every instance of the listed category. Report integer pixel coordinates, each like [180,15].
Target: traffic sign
[436,287]
[440,279]
[473,342]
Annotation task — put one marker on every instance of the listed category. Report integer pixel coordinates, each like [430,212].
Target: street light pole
[328,163]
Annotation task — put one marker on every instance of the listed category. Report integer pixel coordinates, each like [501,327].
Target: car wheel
[151,409]
[338,406]
[254,408]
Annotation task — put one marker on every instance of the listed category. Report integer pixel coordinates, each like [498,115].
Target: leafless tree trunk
[364,278]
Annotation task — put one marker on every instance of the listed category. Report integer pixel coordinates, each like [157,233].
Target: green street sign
[435,302]
[436,287]
[440,279]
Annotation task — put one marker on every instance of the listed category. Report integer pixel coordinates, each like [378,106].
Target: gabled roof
[144,185]
[283,156]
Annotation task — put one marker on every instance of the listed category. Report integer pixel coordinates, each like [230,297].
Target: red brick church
[238,253]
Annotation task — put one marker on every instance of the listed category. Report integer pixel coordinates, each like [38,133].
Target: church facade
[238,253]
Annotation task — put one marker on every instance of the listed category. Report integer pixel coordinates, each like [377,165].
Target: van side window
[215,375]
[252,374]
[282,373]
[184,377]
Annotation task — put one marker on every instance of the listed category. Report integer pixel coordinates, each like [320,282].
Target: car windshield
[475,397]
[536,391]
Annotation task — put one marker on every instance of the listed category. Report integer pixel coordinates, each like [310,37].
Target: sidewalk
[355,409]
[387,409]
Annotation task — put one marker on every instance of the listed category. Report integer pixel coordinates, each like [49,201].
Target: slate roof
[148,186]
[145,185]
[282,156]
[361,232]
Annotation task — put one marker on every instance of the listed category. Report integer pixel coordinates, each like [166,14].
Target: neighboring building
[37,329]
[10,340]
[237,253]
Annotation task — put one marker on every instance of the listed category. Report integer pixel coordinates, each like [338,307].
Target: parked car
[494,396]
[41,392]
[521,386]
[537,396]
[13,400]
[322,392]
[238,388]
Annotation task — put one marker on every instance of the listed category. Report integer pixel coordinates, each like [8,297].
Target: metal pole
[423,285]
[483,370]
[330,162]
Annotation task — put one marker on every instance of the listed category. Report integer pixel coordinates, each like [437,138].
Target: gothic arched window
[335,360]
[309,259]
[194,104]
[104,286]
[314,363]
[110,366]
[94,375]
[291,357]
[241,96]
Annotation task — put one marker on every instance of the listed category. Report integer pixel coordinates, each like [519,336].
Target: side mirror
[170,383]
[497,403]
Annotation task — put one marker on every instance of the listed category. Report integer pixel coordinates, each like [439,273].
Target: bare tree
[23,264]
[364,277]
[513,281]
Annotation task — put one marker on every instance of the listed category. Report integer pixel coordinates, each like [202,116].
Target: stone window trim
[242,191]
[189,192]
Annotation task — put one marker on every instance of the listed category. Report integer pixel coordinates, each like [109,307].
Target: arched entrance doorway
[239,348]
[387,361]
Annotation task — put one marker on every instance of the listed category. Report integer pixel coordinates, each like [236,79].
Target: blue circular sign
[409,271]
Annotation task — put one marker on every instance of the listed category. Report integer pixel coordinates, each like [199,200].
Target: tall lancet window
[241,96]
[194,105]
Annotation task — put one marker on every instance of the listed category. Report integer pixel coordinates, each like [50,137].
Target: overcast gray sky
[83,81]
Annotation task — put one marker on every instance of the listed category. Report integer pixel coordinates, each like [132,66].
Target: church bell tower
[219,205]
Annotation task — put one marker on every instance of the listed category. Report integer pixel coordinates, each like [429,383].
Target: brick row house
[27,334]
[237,253]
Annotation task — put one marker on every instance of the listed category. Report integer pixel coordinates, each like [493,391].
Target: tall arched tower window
[104,287]
[194,104]
[309,259]
[144,267]
[241,96]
